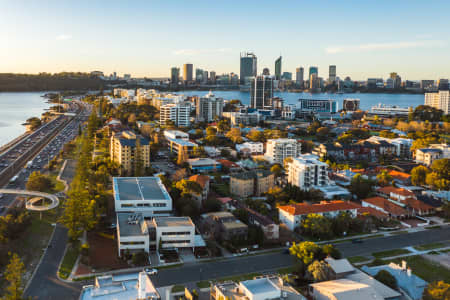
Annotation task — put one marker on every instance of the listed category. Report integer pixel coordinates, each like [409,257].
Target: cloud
[384,46]
[63,37]
[190,52]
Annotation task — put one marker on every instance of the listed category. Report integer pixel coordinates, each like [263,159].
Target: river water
[15,109]
[367,100]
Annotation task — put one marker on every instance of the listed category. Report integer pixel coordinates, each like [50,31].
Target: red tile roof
[373,212]
[228,164]
[202,180]
[399,175]
[324,206]
[386,205]
[225,200]
[417,204]
[390,189]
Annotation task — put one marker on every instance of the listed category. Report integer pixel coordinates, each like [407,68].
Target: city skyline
[149,38]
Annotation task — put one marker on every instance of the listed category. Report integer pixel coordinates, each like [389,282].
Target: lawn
[431,246]
[222,189]
[425,269]
[203,284]
[400,232]
[177,288]
[358,259]
[390,253]
[73,250]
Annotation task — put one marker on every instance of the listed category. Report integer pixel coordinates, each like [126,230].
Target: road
[45,284]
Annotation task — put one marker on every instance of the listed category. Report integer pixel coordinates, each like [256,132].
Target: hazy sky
[145,38]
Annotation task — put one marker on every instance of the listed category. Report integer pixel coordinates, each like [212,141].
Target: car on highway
[151,271]
[357,241]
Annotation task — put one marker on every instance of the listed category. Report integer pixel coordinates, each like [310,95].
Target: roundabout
[34,204]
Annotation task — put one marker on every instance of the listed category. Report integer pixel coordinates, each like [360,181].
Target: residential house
[251,183]
[385,206]
[223,225]
[268,226]
[203,182]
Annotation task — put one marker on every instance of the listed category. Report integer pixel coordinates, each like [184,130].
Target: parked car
[151,271]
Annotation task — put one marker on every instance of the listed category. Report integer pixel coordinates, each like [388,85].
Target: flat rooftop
[139,188]
[260,286]
[173,221]
[129,228]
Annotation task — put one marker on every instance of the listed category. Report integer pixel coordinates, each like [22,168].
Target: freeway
[30,204]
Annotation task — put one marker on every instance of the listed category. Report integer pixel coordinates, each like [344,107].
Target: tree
[34,123]
[361,187]
[305,251]
[138,161]
[320,271]
[13,275]
[442,168]
[322,133]
[386,278]
[330,250]
[277,170]
[437,290]
[286,162]
[384,178]
[256,136]
[426,113]
[39,182]
[235,135]
[223,126]
[419,175]
[188,187]
[316,225]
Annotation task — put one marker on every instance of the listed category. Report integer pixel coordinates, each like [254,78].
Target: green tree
[386,278]
[361,187]
[384,178]
[256,136]
[34,123]
[305,251]
[39,182]
[419,175]
[437,290]
[13,275]
[320,271]
[316,225]
[188,187]
[277,170]
[235,135]
[223,126]
[442,168]
[330,250]
[138,160]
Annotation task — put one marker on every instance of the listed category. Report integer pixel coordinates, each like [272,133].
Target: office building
[174,75]
[212,77]
[138,234]
[278,68]
[187,72]
[145,195]
[199,73]
[313,70]
[351,104]
[299,73]
[134,286]
[443,85]
[251,183]
[286,76]
[427,84]
[318,105]
[261,92]
[248,67]
[314,82]
[209,108]
[395,81]
[128,149]
[439,100]
[270,287]
[277,150]
[332,74]
[178,113]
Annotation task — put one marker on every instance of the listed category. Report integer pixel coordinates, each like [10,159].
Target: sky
[146,38]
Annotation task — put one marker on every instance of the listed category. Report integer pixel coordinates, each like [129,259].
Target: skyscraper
[266,71]
[212,77]
[261,92]
[278,68]
[396,79]
[198,75]
[248,66]
[187,72]
[332,74]
[313,70]
[174,75]
[299,76]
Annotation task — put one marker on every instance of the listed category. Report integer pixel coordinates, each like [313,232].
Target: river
[15,109]
[367,100]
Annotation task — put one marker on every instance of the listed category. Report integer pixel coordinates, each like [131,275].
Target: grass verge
[389,253]
[203,284]
[177,288]
[72,253]
[358,259]
[430,246]
[425,269]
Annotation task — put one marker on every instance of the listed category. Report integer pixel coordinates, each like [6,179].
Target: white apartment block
[428,155]
[279,149]
[439,100]
[209,107]
[443,147]
[254,147]
[135,233]
[307,171]
[146,195]
[402,145]
[176,134]
[179,114]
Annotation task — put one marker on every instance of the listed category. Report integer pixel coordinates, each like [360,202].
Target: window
[132,243]
[176,233]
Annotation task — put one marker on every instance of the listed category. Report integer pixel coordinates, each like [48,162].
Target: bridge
[30,204]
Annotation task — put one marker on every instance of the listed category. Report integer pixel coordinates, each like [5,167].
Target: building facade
[178,113]
[187,73]
[277,150]
[307,171]
[248,67]
[127,149]
[439,100]
[261,92]
[208,108]
[251,183]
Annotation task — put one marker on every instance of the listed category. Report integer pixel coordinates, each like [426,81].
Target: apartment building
[208,108]
[277,150]
[439,100]
[426,156]
[145,195]
[253,147]
[292,215]
[307,171]
[223,225]
[245,118]
[251,183]
[178,113]
[124,148]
